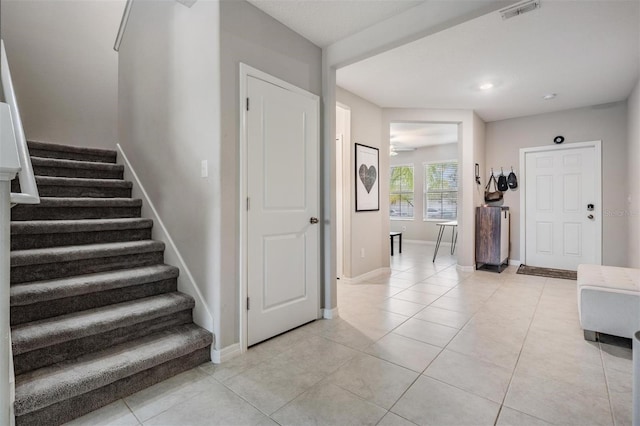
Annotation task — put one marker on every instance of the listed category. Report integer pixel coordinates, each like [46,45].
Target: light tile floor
[427,345]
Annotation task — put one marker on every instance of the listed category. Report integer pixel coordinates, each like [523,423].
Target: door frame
[343,212]
[247,71]
[597,145]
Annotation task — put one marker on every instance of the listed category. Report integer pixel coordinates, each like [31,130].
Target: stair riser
[34,212]
[48,271]
[77,172]
[64,411]
[35,241]
[67,305]
[108,158]
[72,349]
[77,191]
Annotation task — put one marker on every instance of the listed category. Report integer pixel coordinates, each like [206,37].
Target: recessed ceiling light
[549,96]
[486,86]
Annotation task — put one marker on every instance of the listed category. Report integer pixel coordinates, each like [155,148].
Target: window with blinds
[441,191]
[401,192]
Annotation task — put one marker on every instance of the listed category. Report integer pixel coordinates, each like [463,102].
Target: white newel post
[9,167]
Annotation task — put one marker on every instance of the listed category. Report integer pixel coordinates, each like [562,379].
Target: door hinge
[248,203]
[248,303]
[247,104]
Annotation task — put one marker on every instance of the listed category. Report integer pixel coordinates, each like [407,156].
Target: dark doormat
[547,272]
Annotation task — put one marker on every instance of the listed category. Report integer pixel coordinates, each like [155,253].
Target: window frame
[425,190]
[413,191]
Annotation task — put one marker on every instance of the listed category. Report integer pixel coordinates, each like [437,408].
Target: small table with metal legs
[392,235]
[454,236]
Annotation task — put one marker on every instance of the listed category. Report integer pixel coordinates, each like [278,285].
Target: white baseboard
[186,283]
[330,313]
[363,277]
[428,243]
[515,262]
[225,354]
[462,268]
[425,242]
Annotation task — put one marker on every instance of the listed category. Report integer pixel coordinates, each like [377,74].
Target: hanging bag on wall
[489,195]
[512,180]
[502,182]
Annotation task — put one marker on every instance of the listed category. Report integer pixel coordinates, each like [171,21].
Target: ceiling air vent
[519,9]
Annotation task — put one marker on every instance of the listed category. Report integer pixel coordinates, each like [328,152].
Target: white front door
[563,207]
[283,190]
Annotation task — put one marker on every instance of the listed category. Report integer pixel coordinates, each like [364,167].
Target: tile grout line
[421,374]
[132,412]
[515,367]
[606,381]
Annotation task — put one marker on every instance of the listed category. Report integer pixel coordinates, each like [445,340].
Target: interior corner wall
[169,121]
[479,154]
[64,68]
[417,228]
[608,123]
[366,129]
[633,180]
[250,36]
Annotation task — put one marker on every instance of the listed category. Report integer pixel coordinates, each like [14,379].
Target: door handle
[590,216]
[313,220]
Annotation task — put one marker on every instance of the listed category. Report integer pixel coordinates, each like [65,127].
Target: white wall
[418,228]
[64,68]
[169,120]
[368,231]
[608,123]
[250,36]
[633,179]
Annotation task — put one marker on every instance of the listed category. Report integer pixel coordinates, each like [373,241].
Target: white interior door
[283,191]
[563,208]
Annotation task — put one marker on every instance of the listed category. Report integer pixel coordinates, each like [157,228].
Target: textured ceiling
[588,52]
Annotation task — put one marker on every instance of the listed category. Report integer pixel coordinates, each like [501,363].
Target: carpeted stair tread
[76,208]
[57,167]
[74,164]
[83,225]
[53,186]
[86,202]
[48,290]
[53,331]
[49,297]
[34,234]
[90,251]
[71,152]
[43,387]
[89,182]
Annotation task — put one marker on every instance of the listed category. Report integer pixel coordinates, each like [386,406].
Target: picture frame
[367,178]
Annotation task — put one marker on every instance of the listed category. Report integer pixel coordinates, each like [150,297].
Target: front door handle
[313,220]
[590,216]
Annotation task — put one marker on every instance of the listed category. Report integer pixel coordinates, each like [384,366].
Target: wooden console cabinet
[492,238]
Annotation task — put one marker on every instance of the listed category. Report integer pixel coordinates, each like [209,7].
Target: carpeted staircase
[95,314]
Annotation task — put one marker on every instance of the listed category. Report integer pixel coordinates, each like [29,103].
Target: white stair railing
[123,24]
[14,159]
[28,187]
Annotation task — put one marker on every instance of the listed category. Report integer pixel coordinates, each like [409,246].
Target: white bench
[608,300]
